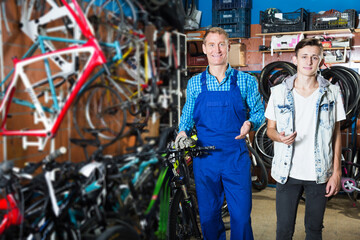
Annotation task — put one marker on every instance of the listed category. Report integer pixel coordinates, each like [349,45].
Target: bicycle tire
[119,232]
[98,117]
[264,144]
[349,90]
[93,228]
[107,18]
[180,225]
[259,171]
[189,10]
[267,80]
[66,232]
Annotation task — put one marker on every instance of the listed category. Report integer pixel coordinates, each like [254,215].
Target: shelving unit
[292,50]
[307,33]
[317,32]
[195,68]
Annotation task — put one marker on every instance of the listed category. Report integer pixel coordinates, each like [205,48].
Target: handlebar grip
[57,153]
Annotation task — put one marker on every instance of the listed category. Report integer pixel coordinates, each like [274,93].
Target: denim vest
[325,124]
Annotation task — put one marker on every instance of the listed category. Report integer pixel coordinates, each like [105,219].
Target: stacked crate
[283,22]
[234,16]
[332,19]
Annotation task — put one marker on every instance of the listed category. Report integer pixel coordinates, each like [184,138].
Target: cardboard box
[237,55]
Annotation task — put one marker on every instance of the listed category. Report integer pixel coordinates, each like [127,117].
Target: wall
[283,5]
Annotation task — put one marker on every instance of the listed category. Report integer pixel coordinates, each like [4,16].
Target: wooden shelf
[194,40]
[200,39]
[196,66]
[292,50]
[330,31]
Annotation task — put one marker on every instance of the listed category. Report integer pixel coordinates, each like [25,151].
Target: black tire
[273,74]
[264,145]
[119,232]
[180,225]
[259,176]
[110,131]
[61,232]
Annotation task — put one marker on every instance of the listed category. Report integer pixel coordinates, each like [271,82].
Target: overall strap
[203,81]
[233,83]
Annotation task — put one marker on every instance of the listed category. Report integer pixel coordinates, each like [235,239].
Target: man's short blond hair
[217,30]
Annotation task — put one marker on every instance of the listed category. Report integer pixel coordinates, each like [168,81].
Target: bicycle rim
[101,117]
[104,110]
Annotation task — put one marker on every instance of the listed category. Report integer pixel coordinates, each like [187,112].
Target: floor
[342,218]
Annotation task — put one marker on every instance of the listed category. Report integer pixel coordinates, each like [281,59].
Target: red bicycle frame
[12,215]
[51,125]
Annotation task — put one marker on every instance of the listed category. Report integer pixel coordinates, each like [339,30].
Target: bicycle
[50,123]
[183,212]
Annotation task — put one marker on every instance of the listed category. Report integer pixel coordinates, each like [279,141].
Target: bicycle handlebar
[196,149]
[57,153]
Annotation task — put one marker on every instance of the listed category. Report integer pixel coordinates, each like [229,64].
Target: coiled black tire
[274,74]
[264,145]
[119,232]
[259,175]
[349,83]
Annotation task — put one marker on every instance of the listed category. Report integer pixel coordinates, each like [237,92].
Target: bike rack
[40,143]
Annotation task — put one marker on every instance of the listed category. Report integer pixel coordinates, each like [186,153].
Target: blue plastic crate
[237,30]
[230,4]
[242,15]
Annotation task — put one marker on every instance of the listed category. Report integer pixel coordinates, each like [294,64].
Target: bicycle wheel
[183,222]
[103,109]
[120,233]
[265,145]
[107,19]
[63,232]
[259,176]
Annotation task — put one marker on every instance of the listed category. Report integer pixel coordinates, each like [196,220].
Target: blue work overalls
[218,117]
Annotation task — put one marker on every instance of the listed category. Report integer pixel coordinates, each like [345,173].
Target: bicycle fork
[188,205]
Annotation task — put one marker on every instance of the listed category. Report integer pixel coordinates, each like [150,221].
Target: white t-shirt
[303,160]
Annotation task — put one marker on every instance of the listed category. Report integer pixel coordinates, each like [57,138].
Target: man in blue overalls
[224,104]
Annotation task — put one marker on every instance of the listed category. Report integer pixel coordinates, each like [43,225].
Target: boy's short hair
[308,42]
[218,30]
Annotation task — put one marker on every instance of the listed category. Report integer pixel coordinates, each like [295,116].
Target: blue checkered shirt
[248,89]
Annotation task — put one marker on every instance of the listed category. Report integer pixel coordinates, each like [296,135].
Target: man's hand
[245,129]
[289,139]
[333,185]
[183,141]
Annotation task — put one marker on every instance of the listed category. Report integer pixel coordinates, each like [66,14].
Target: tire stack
[276,72]
[234,16]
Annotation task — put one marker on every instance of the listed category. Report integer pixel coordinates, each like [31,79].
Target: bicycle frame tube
[13,215]
[96,59]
